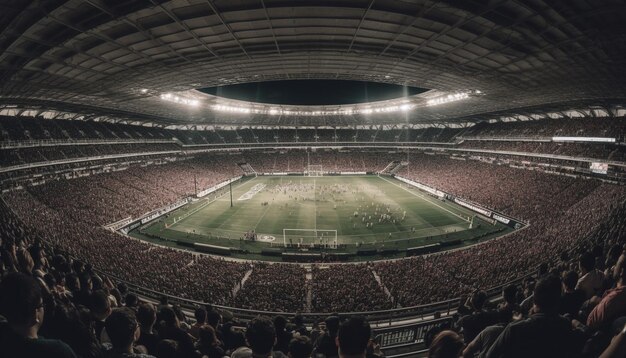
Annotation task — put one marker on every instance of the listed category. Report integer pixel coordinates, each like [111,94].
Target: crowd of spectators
[582,150]
[275,288]
[54,306]
[68,213]
[334,287]
[57,241]
[576,208]
[30,129]
[573,306]
[17,156]
[33,128]
[113,196]
[169,271]
[37,129]
[552,127]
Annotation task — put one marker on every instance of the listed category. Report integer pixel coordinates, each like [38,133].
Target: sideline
[202,206]
[427,199]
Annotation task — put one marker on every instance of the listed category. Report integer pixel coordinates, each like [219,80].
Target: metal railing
[506,139]
[68,142]
[83,159]
[380,318]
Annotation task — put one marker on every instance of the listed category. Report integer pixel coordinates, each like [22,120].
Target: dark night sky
[313,92]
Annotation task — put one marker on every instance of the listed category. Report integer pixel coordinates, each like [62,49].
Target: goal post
[306,237]
[315,170]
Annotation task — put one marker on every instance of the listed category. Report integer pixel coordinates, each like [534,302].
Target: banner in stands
[217,187]
[501,219]
[131,227]
[508,221]
[599,168]
[423,187]
[473,207]
[119,224]
[584,139]
[164,210]
[276,173]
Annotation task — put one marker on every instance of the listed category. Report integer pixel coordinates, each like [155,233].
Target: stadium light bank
[342,111]
[176,99]
[274,111]
[451,98]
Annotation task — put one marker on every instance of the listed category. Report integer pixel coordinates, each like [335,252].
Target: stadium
[345,178]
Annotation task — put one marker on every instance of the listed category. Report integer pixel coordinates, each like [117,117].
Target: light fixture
[447,99]
[173,98]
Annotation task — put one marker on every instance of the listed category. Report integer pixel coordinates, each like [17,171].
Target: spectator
[300,347]
[479,319]
[209,345]
[168,348]
[21,304]
[146,316]
[325,343]
[100,307]
[591,279]
[213,318]
[617,348]
[353,337]
[261,336]
[131,301]
[170,329]
[509,306]
[613,304]
[123,330]
[282,336]
[487,336]
[299,327]
[447,344]
[572,298]
[200,315]
[543,334]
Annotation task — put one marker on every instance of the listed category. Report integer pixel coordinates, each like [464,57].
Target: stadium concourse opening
[330,218]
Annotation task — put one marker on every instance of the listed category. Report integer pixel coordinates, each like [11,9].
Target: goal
[306,237]
[315,171]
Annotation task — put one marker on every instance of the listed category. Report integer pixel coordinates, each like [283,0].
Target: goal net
[309,237]
[315,171]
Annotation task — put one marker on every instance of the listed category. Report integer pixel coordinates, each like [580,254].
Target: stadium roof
[114,57]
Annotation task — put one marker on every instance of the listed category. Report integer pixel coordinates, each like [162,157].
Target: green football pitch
[345,211]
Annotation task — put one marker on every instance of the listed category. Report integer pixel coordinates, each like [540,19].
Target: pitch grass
[214,221]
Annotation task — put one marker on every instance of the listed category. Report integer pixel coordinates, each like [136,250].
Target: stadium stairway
[394,167]
[382,286]
[389,167]
[239,285]
[247,169]
[309,288]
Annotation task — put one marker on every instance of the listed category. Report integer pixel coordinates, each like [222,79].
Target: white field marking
[204,205]
[252,192]
[314,205]
[262,216]
[421,222]
[420,219]
[420,196]
[225,221]
[235,230]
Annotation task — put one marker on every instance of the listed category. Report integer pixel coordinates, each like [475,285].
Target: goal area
[310,237]
[315,171]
